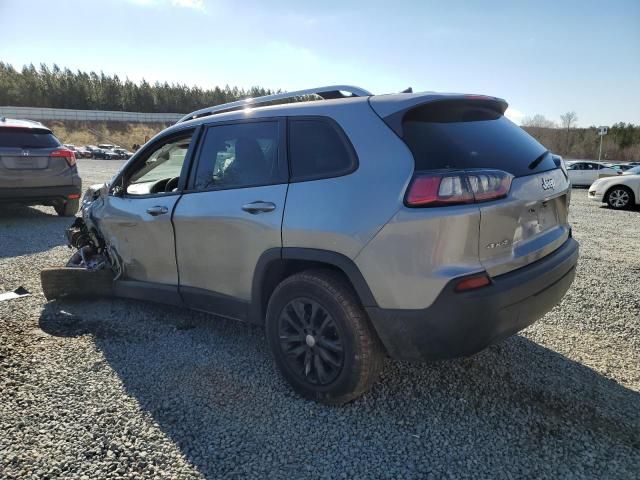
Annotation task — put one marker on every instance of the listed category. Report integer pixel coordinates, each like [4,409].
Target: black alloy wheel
[311,342]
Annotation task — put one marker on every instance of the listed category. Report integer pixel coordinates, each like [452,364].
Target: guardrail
[32,113]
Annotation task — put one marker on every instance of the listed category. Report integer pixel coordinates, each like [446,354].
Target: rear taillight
[435,189]
[68,155]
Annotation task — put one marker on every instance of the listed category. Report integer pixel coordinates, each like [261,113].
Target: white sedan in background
[585,173]
[621,191]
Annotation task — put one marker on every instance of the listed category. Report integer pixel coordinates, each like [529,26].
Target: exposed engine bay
[92,251]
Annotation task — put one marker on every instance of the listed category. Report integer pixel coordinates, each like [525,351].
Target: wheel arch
[276,264]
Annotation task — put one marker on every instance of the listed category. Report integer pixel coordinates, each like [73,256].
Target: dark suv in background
[36,169]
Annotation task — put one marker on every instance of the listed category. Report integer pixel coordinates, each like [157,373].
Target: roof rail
[329,92]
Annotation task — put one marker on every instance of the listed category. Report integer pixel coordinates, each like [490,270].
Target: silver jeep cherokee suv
[36,169]
[420,226]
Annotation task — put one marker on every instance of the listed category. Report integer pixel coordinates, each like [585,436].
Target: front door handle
[157,210]
[259,207]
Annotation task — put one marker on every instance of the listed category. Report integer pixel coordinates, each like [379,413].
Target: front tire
[619,197]
[69,208]
[321,338]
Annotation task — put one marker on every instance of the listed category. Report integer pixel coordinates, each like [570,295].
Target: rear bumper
[461,324]
[39,194]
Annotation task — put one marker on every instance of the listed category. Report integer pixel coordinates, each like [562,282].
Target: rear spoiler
[392,108]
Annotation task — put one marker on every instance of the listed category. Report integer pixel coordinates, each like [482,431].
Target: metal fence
[31,113]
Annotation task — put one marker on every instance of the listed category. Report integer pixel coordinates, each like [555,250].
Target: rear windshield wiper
[539,159]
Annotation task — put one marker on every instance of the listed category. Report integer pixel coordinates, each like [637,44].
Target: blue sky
[544,57]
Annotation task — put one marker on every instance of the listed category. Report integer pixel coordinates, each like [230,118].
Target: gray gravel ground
[114,389]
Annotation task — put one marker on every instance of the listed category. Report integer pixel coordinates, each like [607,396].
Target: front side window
[160,171]
[318,150]
[239,155]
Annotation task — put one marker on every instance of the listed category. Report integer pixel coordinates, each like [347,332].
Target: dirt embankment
[91,133]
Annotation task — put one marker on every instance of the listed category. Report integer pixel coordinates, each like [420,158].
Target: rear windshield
[27,138]
[460,135]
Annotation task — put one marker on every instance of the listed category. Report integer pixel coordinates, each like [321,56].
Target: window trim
[143,154]
[282,155]
[346,141]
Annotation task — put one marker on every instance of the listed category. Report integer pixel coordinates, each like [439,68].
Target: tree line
[622,141]
[62,88]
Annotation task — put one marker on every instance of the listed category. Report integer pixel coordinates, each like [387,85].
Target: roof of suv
[15,123]
[382,104]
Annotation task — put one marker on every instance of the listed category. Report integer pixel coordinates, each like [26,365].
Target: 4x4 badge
[548,184]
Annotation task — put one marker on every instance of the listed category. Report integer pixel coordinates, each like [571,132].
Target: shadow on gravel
[517,409]
[27,230]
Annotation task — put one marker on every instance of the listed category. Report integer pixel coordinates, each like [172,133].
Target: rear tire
[619,197]
[69,208]
[65,282]
[321,338]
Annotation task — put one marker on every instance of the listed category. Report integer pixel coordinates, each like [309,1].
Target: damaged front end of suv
[92,269]
[93,252]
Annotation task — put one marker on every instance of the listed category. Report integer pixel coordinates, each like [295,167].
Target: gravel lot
[113,389]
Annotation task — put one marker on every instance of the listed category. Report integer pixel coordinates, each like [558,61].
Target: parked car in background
[111,155]
[622,191]
[585,173]
[91,149]
[107,146]
[80,152]
[98,153]
[621,167]
[124,154]
[36,169]
[421,226]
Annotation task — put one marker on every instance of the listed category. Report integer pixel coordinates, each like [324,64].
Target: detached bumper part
[460,324]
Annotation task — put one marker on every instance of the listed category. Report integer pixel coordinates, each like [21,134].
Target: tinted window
[27,138]
[239,155]
[458,135]
[318,150]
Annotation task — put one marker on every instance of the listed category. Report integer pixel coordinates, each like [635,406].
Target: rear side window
[318,149]
[462,135]
[240,155]
[27,138]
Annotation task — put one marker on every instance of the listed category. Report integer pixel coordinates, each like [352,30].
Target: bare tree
[538,121]
[568,120]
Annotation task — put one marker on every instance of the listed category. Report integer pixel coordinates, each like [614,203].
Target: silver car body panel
[527,225]
[342,214]
[219,244]
[144,243]
[418,252]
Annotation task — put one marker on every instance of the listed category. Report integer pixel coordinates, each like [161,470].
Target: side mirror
[117,189]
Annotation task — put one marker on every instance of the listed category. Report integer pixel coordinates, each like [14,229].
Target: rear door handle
[259,207]
[157,210]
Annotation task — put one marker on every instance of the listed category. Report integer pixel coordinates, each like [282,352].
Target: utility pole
[602,131]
